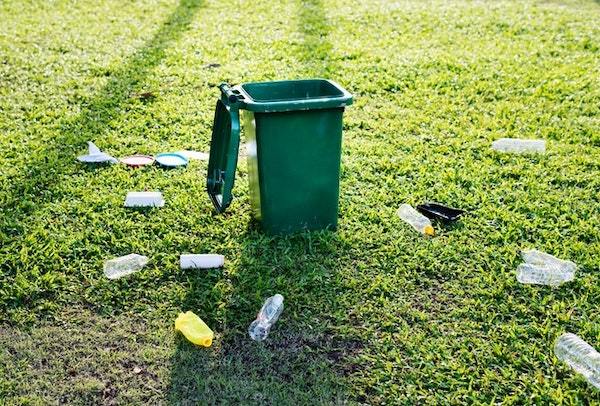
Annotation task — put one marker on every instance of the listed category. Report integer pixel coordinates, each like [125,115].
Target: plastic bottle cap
[428,230]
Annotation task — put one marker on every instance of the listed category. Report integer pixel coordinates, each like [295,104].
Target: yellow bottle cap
[428,230]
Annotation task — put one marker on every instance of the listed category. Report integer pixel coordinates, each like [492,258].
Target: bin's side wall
[298,161]
[249,127]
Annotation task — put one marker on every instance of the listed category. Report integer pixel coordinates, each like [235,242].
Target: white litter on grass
[540,268]
[122,266]
[96,156]
[200,156]
[515,145]
[201,261]
[144,199]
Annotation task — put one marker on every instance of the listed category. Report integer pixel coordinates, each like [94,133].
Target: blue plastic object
[171,160]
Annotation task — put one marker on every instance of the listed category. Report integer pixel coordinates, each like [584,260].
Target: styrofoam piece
[201,156]
[201,261]
[144,199]
[519,146]
[96,156]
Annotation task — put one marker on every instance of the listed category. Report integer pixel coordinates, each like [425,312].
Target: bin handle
[225,143]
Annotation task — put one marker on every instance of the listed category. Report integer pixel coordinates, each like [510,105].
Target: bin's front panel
[298,161]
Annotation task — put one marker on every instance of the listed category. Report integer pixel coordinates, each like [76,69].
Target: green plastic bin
[293,131]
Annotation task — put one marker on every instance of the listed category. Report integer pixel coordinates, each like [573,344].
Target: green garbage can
[293,131]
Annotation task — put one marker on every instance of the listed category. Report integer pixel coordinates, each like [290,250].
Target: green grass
[374,312]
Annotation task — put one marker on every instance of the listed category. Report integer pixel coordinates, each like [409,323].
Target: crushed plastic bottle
[516,145]
[544,269]
[580,356]
[194,329]
[418,221]
[268,315]
[123,266]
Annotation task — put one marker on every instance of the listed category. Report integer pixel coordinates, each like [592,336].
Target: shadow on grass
[39,179]
[38,182]
[301,361]
[315,51]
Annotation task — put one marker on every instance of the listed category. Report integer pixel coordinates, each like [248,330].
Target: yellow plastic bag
[194,329]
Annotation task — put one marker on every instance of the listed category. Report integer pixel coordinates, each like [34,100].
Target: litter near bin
[136,161]
[95,156]
[544,269]
[171,160]
[200,156]
[144,199]
[201,261]
[580,356]
[294,136]
[436,211]
[194,329]
[122,266]
[415,219]
[268,315]
[515,145]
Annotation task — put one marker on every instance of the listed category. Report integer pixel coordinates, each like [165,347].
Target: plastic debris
[418,221]
[440,212]
[200,156]
[544,269]
[519,146]
[201,261]
[194,329]
[171,160]
[580,356]
[95,156]
[268,315]
[123,266]
[144,199]
[135,161]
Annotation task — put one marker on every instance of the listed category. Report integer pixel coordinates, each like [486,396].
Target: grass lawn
[375,313]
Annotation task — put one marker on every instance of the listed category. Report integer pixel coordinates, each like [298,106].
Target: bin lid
[224,147]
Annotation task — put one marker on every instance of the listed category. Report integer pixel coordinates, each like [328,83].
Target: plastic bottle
[418,221]
[122,266]
[544,269]
[194,329]
[536,257]
[543,275]
[519,145]
[580,356]
[268,315]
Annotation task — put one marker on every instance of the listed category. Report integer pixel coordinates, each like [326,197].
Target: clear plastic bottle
[518,145]
[418,221]
[544,269]
[122,266]
[540,258]
[543,275]
[580,356]
[268,315]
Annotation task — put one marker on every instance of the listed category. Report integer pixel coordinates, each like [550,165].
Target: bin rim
[341,100]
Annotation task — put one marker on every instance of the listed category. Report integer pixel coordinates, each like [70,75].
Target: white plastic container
[515,145]
[201,261]
[144,199]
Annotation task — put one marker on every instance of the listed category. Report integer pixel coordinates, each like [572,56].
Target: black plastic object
[438,211]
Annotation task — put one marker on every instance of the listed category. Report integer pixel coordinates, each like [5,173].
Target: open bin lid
[224,147]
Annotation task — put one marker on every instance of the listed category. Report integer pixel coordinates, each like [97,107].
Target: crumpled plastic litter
[96,156]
